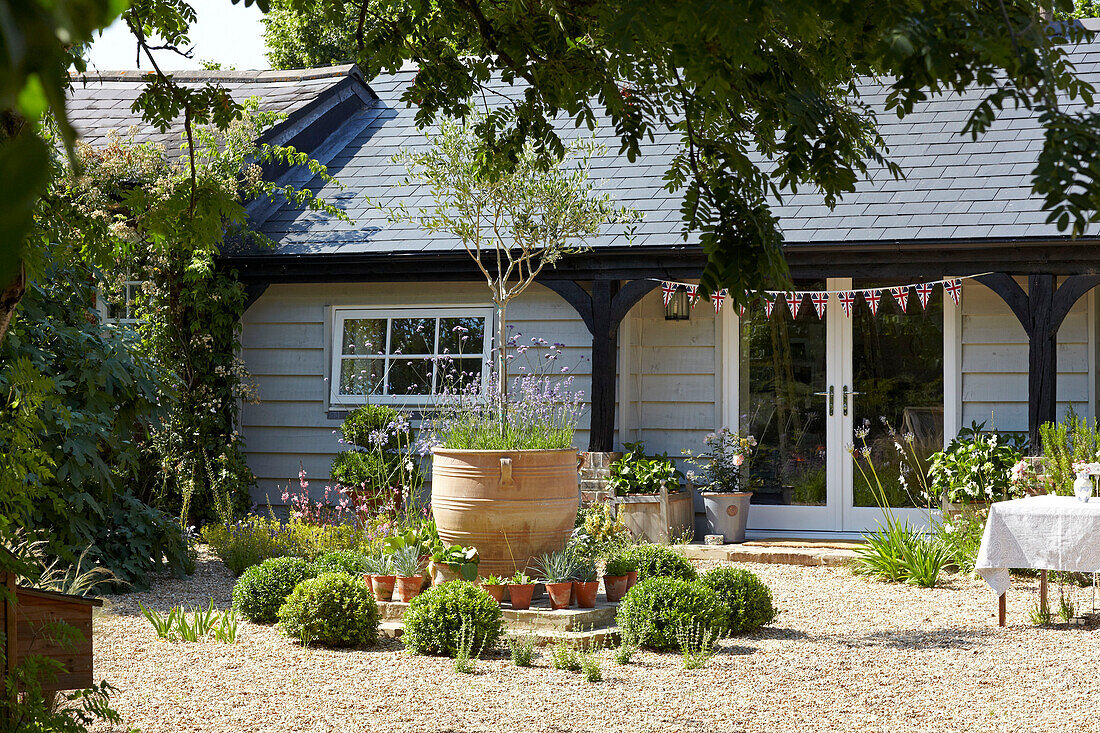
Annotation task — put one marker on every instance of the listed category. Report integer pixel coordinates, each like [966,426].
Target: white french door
[803,387]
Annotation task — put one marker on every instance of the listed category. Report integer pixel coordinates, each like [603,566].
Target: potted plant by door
[722,482]
[409,580]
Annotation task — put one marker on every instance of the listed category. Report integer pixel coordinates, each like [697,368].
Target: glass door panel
[783,403]
[896,397]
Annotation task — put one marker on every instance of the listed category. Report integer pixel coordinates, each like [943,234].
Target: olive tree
[513,220]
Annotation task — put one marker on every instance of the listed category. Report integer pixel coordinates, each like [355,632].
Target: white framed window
[406,356]
[124,308]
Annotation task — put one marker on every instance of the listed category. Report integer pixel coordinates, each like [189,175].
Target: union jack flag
[692,290]
[847,300]
[954,289]
[872,298]
[794,300]
[718,296]
[741,310]
[668,290]
[820,300]
[924,293]
[901,295]
[768,305]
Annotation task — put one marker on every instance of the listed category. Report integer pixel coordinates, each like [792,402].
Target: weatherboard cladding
[955,187]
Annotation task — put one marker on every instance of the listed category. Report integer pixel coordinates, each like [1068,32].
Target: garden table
[1041,532]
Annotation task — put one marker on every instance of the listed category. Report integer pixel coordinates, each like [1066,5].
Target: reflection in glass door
[786,368]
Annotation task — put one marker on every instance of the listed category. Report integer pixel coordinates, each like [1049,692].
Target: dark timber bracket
[602,310]
[253,289]
[1040,311]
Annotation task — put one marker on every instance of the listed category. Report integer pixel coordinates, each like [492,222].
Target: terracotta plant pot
[441,572]
[382,585]
[586,593]
[511,505]
[573,593]
[559,594]
[521,595]
[405,589]
[496,591]
[615,587]
[631,579]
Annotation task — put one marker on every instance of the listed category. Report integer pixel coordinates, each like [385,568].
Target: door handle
[847,397]
[828,394]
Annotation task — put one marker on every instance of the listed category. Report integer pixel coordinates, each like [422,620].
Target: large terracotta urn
[511,505]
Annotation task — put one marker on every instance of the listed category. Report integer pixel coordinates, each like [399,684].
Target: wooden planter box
[659,517]
[27,632]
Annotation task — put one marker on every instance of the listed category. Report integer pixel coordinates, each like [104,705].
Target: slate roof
[101,102]
[955,189]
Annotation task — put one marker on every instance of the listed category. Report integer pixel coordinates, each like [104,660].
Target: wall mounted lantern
[679,307]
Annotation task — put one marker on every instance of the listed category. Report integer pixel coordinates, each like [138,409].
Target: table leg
[1001,609]
[1043,590]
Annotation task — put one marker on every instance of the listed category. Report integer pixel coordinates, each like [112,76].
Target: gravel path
[846,653]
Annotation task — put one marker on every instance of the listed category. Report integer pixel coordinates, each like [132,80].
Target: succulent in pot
[521,587]
[406,568]
[585,585]
[494,586]
[555,570]
[380,574]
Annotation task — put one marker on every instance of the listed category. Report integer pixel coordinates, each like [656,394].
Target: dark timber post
[1042,355]
[602,311]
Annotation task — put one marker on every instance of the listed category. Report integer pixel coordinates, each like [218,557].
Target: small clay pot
[405,589]
[586,593]
[496,591]
[382,585]
[521,595]
[615,587]
[559,594]
[631,579]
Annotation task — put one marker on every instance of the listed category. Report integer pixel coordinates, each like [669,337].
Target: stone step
[769,554]
[538,617]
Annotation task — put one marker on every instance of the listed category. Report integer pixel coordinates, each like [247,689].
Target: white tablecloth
[1041,532]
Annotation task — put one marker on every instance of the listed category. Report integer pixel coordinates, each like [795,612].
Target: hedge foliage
[748,599]
[654,610]
[262,589]
[334,609]
[433,621]
[658,561]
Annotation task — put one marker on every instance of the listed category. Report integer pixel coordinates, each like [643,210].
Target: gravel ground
[846,653]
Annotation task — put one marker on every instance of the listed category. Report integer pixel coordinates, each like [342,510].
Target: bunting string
[820,299]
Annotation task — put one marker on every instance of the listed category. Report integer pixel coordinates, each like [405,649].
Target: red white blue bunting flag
[954,289]
[847,299]
[741,310]
[794,300]
[668,290]
[872,298]
[718,296]
[768,305]
[820,300]
[924,294]
[901,295]
[693,292]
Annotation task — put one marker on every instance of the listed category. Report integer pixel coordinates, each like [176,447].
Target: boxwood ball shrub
[341,561]
[433,621]
[653,610]
[334,609]
[263,588]
[658,561]
[748,599]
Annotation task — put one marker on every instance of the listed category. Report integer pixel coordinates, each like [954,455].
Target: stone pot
[727,514]
[559,594]
[382,586]
[511,505]
[521,595]
[586,593]
[614,587]
[405,589]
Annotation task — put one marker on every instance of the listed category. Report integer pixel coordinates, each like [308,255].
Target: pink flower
[738,459]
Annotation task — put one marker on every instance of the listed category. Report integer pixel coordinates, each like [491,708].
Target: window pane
[455,374]
[361,376]
[461,335]
[410,376]
[364,336]
[412,336]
